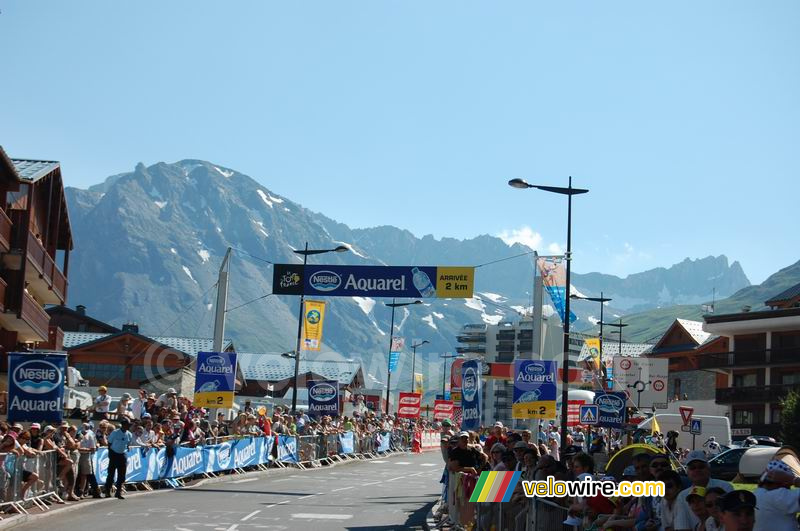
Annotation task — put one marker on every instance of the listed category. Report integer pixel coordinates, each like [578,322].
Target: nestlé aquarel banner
[36,387]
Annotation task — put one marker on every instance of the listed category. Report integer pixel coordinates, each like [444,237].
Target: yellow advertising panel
[313,317]
[220,399]
[419,383]
[454,282]
[593,360]
[545,409]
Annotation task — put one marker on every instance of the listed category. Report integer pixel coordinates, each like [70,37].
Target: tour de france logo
[290,279]
[313,316]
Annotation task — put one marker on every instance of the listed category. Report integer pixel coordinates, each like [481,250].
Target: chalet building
[35,242]
[761,364]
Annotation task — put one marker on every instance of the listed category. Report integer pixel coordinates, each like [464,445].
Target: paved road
[389,493]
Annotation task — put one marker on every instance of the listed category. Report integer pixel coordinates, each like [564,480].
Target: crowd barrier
[525,514]
[425,440]
[15,469]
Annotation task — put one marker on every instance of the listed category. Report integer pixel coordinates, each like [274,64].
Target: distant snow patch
[365,303]
[224,173]
[525,310]
[172,250]
[438,315]
[189,273]
[475,304]
[160,204]
[379,328]
[204,255]
[275,199]
[209,306]
[491,319]
[592,319]
[261,228]
[264,198]
[286,209]
[429,319]
[548,310]
[494,297]
[574,291]
[352,249]
[219,230]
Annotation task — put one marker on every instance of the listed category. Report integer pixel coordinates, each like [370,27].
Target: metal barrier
[546,515]
[308,448]
[26,481]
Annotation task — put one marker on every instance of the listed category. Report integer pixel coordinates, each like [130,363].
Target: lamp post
[305,253]
[569,192]
[602,300]
[414,361]
[393,305]
[619,326]
[444,369]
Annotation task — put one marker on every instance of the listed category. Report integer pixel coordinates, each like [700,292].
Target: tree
[790,419]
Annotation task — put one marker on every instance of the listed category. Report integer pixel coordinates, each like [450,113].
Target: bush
[790,419]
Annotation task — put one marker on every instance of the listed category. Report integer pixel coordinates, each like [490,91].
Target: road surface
[395,492]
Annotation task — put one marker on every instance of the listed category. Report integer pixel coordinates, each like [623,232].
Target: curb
[430,520]
[18,520]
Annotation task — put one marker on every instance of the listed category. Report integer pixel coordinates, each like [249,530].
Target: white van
[719,427]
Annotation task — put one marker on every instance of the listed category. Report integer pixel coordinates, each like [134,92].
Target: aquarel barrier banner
[150,464]
[287,449]
[347,442]
[384,441]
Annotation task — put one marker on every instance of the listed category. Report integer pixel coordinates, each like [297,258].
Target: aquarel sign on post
[36,387]
[215,381]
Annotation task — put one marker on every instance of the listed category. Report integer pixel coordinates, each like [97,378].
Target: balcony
[31,323]
[729,360]
[5,232]
[476,349]
[506,336]
[46,281]
[768,393]
[471,338]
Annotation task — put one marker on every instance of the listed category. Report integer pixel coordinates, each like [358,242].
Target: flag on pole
[655,428]
[554,279]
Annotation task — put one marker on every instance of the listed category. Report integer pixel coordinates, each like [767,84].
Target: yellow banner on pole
[593,360]
[419,383]
[313,317]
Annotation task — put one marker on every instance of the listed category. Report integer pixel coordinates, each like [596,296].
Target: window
[776,415]
[748,416]
[678,387]
[98,374]
[745,380]
[790,378]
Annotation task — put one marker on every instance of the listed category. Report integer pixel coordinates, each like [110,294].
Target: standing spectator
[87,446]
[102,403]
[118,443]
[554,442]
[777,504]
[700,476]
[738,511]
[36,436]
[665,517]
[139,405]
[29,458]
[169,399]
[714,520]
[519,452]
[124,407]
[496,456]
[495,437]
[578,439]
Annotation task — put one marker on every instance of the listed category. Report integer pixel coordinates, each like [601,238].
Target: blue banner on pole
[347,442]
[471,395]
[534,390]
[215,379]
[323,398]
[611,409]
[394,357]
[36,387]
[287,449]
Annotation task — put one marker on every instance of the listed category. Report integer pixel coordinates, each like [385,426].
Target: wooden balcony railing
[748,358]
[2,295]
[5,232]
[46,267]
[764,393]
[35,317]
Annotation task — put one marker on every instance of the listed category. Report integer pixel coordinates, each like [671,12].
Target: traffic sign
[696,427]
[658,385]
[685,428]
[686,414]
[589,414]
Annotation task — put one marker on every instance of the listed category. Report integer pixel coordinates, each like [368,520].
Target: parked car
[748,463]
[760,440]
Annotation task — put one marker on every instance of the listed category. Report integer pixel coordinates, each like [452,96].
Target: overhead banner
[36,387]
[409,405]
[643,380]
[394,357]
[471,395]
[397,344]
[313,317]
[534,390]
[419,383]
[443,409]
[611,409]
[323,398]
[215,379]
[373,281]
[554,279]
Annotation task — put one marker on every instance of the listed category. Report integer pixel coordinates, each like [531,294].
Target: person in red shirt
[265,423]
[496,437]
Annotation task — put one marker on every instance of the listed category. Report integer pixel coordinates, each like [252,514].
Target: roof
[612,348]
[785,296]
[55,310]
[33,170]
[188,345]
[274,367]
[694,329]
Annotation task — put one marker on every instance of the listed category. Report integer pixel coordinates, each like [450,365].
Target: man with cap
[169,399]
[87,447]
[102,402]
[777,504]
[495,437]
[118,443]
[462,458]
[738,510]
[519,450]
[700,476]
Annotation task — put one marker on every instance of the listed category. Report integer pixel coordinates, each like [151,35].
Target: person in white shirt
[777,504]
[87,447]
[102,403]
[700,476]
[554,442]
[138,405]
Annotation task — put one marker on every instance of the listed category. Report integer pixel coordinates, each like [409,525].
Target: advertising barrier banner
[347,442]
[215,379]
[471,395]
[287,449]
[534,390]
[36,387]
[323,398]
[143,464]
[373,281]
[384,441]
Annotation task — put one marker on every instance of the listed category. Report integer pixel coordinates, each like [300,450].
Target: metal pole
[602,364]
[565,360]
[620,338]
[299,333]
[444,375]
[389,367]
[222,302]
[413,364]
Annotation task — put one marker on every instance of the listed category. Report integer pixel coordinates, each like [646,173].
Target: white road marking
[323,516]
[245,480]
[233,527]
[429,464]
[309,495]
[379,461]
[343,488]
[279,503]
[402,463]
[368,484]
[249,516]
[182,529]
[395,479]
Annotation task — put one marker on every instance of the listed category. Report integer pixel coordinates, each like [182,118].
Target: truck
[718,427]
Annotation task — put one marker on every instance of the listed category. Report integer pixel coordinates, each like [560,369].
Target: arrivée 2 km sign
[373,281]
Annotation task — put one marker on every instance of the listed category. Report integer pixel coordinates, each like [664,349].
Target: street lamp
[619,326]
[393,305]
[602,300]
[569,192]
[444,370]
[414,361]
[305,253]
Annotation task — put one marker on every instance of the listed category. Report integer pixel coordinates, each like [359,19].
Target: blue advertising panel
[142,465]
[347,442]
[471,395]
[373,281]
[394,357]
[384,441]
[323,398]
[36,387]
[534,390]
[187,461]
[218,457]
[215,379]
[247,452]
[287,449]
[611,409]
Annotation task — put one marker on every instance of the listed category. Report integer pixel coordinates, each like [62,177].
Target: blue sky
[682,118]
